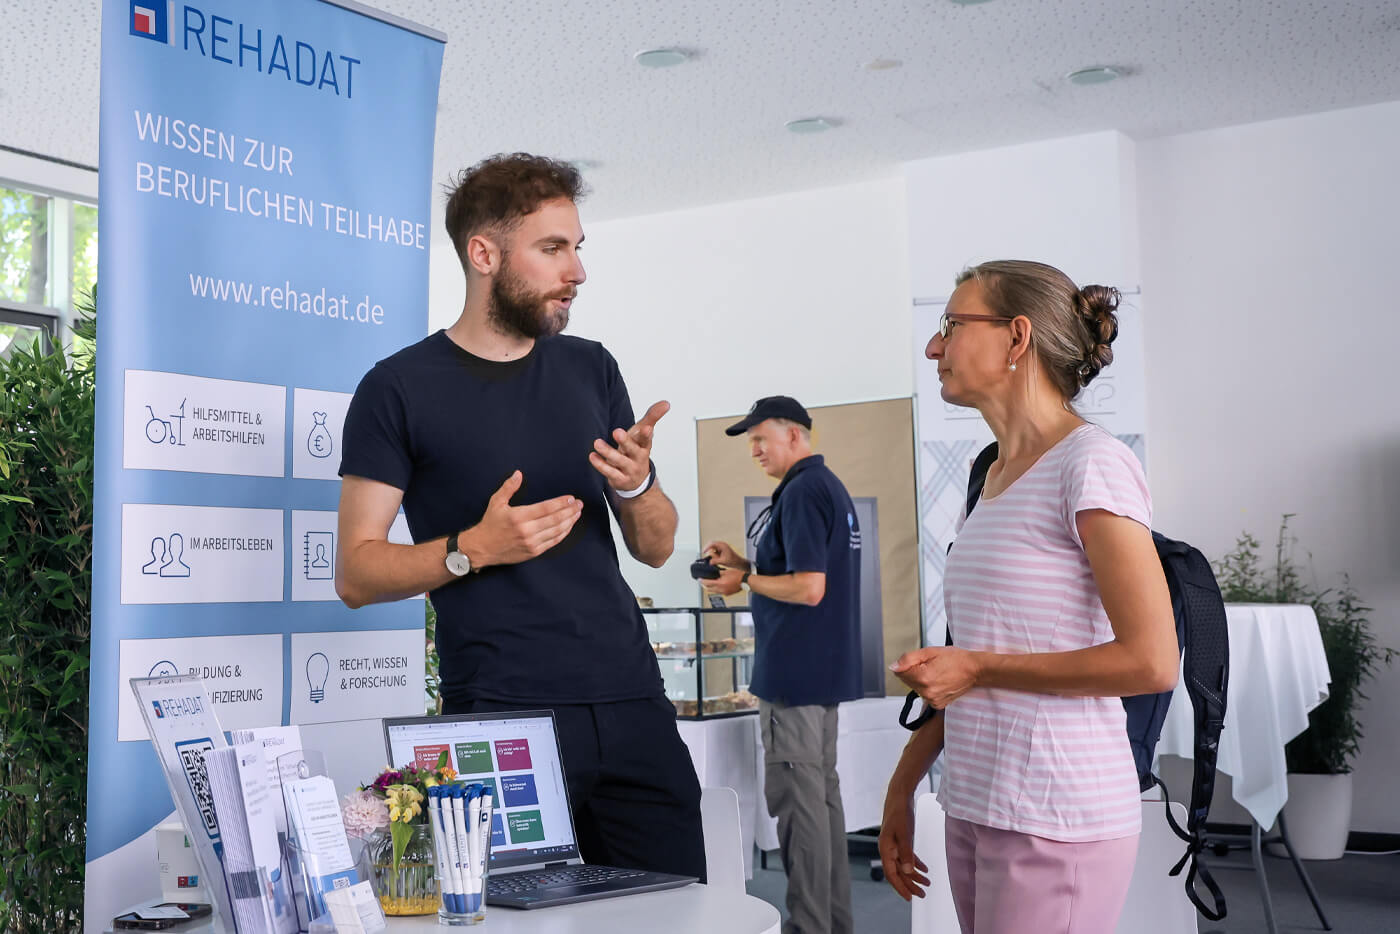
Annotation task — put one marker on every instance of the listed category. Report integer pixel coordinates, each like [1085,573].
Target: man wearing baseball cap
[804,592]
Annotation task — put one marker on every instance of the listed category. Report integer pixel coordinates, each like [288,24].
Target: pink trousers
[1005,882]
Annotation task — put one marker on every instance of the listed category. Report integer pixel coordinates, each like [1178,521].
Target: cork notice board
[870,447]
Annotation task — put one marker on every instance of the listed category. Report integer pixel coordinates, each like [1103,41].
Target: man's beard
[516,310]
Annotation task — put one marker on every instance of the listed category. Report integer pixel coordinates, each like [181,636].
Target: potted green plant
[46,432]
[1320,758]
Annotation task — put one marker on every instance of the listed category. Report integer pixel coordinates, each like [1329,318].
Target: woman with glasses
[1057,606]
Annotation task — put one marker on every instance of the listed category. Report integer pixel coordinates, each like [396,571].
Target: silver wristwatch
[457,561]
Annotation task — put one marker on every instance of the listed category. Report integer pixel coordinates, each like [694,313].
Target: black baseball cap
[772,407]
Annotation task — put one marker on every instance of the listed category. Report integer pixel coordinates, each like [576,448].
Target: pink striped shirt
[1018,581]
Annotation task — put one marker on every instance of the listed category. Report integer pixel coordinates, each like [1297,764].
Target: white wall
[805,295]
[1269,261]
[1068,202]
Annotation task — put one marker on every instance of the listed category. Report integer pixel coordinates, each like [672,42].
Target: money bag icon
[319,442]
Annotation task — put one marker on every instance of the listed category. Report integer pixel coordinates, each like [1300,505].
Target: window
[48,258]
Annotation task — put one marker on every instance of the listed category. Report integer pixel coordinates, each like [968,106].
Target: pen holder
[460,818]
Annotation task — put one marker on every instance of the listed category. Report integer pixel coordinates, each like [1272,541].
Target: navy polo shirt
[809,654]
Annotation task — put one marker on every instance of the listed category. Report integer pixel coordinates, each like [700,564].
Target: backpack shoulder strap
[978,478]
[975,481]
[1205,662]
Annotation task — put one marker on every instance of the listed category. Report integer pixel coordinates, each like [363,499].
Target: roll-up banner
[265,195]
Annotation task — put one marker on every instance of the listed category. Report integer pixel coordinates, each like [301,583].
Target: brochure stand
[316,855]
[184,730]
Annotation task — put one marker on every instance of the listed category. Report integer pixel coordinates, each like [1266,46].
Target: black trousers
[635,797]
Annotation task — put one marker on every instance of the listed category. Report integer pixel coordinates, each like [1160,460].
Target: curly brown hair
[493,195]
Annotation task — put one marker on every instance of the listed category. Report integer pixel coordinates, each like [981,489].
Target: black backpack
[1205,650]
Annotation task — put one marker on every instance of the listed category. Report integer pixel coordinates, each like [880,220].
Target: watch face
[459,563]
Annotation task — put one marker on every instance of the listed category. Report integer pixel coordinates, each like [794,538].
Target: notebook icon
[535,861]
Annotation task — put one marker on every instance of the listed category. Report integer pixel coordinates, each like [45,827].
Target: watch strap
[646,485]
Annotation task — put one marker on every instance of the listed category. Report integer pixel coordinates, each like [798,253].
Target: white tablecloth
[729,753]
[1278,672]
[723,753]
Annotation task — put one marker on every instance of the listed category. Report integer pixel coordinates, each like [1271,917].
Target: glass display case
[706,659]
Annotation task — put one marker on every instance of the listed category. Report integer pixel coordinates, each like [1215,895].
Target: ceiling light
[661,58]
[810,125]
[1098,74]
[882,64]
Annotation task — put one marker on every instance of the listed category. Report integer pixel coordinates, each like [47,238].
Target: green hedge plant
[46,437]
[1333,736]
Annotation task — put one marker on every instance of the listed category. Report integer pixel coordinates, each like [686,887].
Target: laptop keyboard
[519,882]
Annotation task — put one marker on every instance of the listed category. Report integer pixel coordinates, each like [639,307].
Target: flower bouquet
[389,814]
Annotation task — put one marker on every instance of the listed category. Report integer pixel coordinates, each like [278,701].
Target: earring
[1013,368]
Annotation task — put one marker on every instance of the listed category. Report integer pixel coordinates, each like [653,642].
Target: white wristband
[646,485]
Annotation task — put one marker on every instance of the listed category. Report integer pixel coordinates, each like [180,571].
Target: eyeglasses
[946,322]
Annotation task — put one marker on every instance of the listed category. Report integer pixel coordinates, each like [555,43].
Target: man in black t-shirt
[508,446]
[804,592]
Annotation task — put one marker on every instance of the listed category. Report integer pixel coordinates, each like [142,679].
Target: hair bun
[1098,306]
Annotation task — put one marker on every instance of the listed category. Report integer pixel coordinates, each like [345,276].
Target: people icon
[175,565]
[157,557]
[320,560]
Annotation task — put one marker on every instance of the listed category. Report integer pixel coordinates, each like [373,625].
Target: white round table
[695,909]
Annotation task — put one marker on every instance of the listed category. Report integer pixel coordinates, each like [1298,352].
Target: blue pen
[483,829]
[473,874]
[459,847]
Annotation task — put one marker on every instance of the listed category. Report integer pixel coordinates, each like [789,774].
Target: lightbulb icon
[318,668]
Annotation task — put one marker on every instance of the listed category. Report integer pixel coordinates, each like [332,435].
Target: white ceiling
[557,77]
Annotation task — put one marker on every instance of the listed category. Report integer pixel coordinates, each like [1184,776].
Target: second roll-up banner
[266,183]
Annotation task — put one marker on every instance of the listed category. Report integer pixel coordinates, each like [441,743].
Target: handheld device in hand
[702,569]
[132,921]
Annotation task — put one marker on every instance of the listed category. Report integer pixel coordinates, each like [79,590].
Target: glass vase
[407,885]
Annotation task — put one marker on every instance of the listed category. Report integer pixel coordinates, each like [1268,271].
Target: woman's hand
[904,871]
[939,674]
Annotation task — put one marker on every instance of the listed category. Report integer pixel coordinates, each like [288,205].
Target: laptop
[535,862]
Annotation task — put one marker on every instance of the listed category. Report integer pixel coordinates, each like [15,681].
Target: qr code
[341,882]
[192,753]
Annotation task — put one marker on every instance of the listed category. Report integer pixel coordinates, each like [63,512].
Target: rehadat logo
[151,20]
[301,60]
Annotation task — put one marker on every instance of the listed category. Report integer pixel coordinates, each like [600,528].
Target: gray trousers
[804,794]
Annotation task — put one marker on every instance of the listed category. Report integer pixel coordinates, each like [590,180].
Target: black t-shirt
[809,654]
[448,428]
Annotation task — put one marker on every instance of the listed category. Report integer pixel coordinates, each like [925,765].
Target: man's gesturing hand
[511,534]
[627,465]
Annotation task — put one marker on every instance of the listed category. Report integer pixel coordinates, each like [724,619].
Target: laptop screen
[515,754]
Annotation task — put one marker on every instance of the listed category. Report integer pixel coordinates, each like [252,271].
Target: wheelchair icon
[166,430]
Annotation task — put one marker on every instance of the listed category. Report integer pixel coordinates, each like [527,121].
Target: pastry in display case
[706,658]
